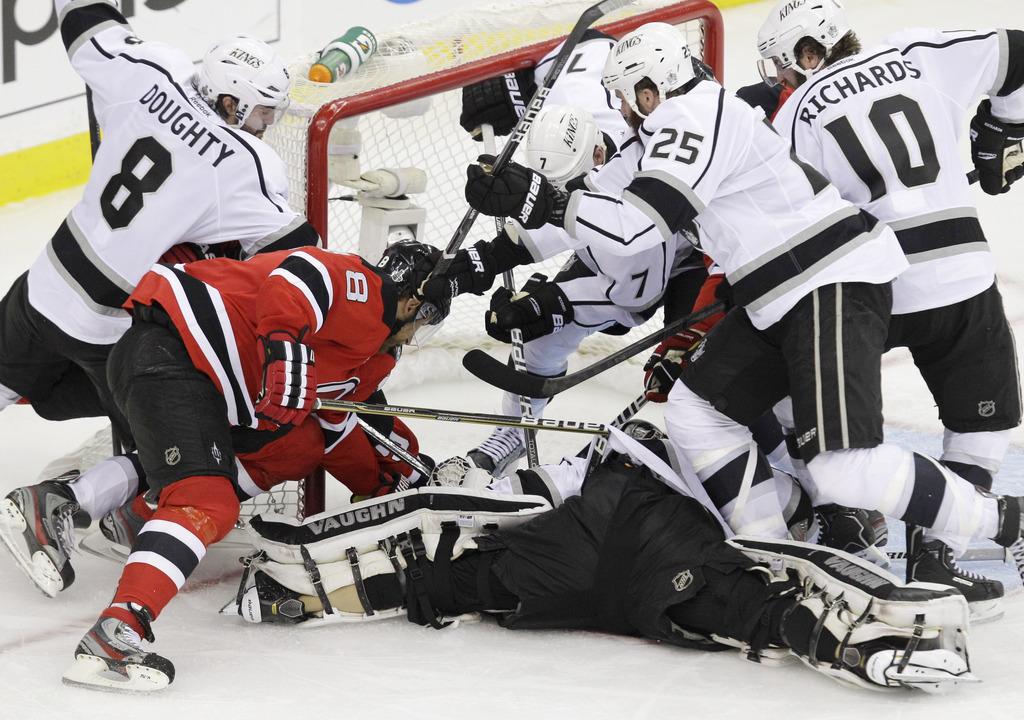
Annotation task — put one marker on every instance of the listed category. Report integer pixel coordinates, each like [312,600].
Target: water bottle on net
[343,55]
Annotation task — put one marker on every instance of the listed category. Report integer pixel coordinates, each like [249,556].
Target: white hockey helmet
[561,143]
[249,70]
[656,51]
[790,22]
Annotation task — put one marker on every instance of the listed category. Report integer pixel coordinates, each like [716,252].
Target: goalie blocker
[629,556]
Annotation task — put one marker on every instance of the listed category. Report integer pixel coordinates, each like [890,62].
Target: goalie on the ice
[628,555]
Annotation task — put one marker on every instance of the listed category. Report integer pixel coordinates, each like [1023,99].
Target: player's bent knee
[692,422]
[206,503]
[871,478]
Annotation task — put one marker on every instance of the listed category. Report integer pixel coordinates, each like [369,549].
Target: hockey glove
[289,379]
[473,270]
[498,101]
[996,150]
[539,309]
[516,192]
[666,363]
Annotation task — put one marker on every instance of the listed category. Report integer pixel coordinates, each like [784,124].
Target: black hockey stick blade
[496,373]
[588,18]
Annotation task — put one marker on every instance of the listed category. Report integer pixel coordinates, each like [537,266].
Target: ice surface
[392,669]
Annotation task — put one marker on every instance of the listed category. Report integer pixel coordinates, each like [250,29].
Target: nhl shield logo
[172,455]
[682,581]
[987,408]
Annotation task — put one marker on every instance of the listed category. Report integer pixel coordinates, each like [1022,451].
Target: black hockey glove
[473,270]
[499,101]
[539,309]
[996,150]
[666,363]
[515,192]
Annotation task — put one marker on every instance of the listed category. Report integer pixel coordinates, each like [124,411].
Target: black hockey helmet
[408,263]
[642,430]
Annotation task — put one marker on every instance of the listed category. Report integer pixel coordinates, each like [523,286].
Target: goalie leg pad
[852,610]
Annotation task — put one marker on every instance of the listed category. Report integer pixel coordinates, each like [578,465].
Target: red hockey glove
[664,366]
[289,379]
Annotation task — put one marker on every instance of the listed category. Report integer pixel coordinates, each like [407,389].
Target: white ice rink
[228,670]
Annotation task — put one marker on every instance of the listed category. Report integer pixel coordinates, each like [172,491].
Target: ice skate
[267,600]
[111,657]
[499,452]
[934,671]
[37,526]
[933,562]
[852,530]
[122,526]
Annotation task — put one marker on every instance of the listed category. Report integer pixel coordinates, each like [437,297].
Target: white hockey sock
[727,462]
[106,486]
[8,397]
[886,478]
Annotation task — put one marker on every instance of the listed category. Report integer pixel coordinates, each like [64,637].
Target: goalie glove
[473,270]
[289,379]
[665,364]
[516,192]
[996,150]
[539,309]
[498,101]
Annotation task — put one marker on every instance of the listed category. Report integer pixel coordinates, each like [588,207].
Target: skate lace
[959,570]
[64,527]
[126,635]
[501,443]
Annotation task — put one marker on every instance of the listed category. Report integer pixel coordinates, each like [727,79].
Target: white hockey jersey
[774,225]
[635,282]
[884,126]
[580,85]
[168,171]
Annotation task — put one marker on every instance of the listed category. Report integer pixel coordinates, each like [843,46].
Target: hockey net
[405,102]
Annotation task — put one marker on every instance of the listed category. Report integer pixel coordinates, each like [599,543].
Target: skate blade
[97,544]
[939,683]
[36,565]
[872,554]
[986,611]
[93,673]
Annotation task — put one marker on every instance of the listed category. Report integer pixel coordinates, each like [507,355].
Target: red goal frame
[317,183]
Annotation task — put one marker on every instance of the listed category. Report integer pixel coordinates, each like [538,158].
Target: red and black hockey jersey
[337,304]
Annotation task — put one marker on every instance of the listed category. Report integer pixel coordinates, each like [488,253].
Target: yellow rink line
[42,169]
[63,163]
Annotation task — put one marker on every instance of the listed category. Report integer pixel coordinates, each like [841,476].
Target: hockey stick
[598,444]
[572,426]
[414,462]
[497,373]
[588,18]
[518,357]
[970,555]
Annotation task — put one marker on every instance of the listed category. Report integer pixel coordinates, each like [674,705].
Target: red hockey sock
[193,514]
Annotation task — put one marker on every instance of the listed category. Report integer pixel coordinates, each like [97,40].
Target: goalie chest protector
[614,558]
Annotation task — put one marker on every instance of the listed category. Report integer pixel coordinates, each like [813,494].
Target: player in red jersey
[218,350]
